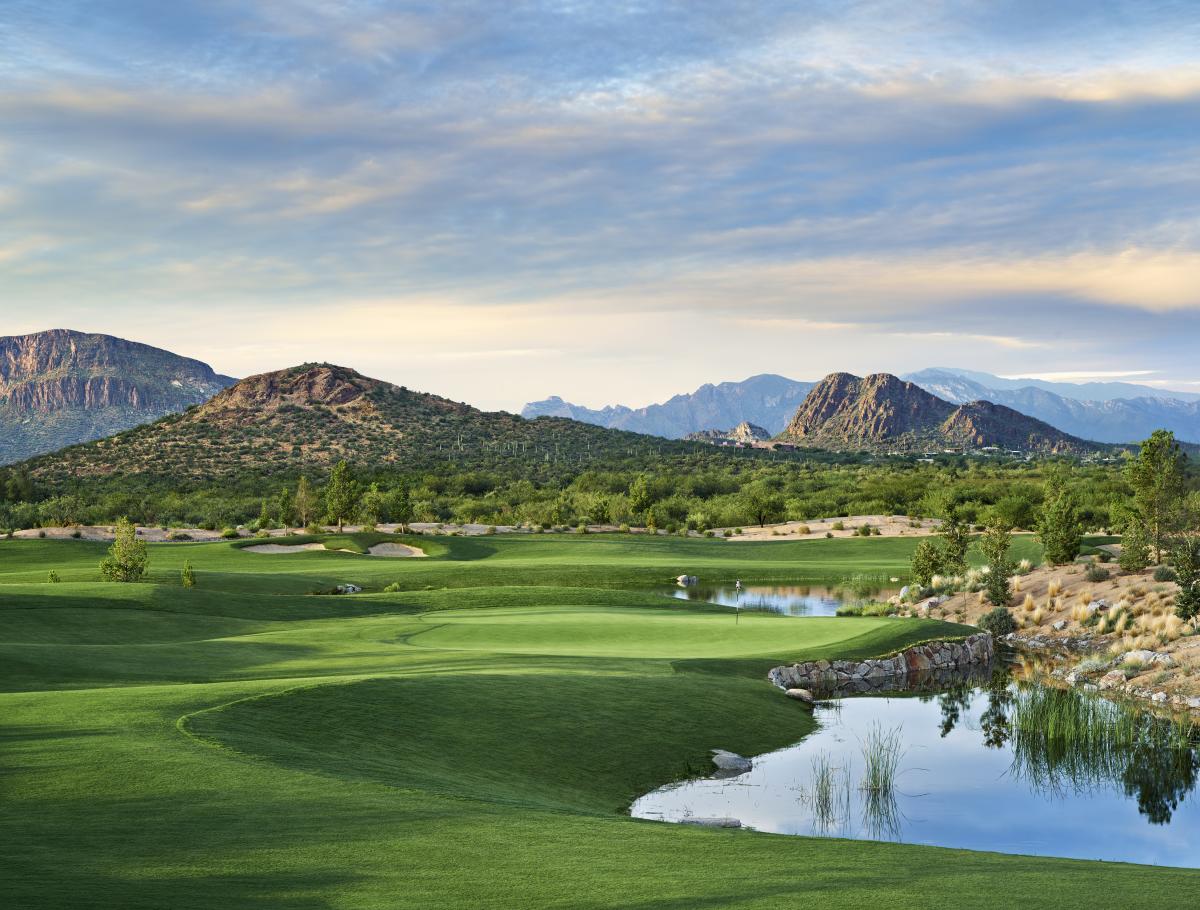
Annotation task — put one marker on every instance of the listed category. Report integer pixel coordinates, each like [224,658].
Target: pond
[999,764]
[790,599]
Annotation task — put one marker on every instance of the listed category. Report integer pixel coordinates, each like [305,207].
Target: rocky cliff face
[61,387]
[882,412]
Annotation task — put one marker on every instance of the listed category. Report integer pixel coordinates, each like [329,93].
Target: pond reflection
[990,763]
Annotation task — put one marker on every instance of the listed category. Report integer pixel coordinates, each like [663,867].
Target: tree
[994,544]
[927,561]
[304,502]
[956,540]
[127,560]
[188,575]
[639,494]
[372,506]
[401,507]
[762,506]
[1185,558]
[1156,474]
[341,495]
[285,507]
[1058,525]
[1135,549]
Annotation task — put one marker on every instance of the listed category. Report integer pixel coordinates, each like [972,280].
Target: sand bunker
[283,548]
[394,550]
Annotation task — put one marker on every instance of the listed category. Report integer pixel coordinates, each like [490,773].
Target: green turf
[471,741]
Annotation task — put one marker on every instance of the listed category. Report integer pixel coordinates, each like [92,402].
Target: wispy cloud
[992,177]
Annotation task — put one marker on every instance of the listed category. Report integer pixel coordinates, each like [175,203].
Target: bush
[998,621]
[76,534]
[188,576]
[828,534]
[838,526]
[262,533]
[491,529]
[624,529]
[864,531]
[1097,574]
[53,578]
[230,534]
[804,529]
[127,558]
[42,535]
[1165,574]
[393,588]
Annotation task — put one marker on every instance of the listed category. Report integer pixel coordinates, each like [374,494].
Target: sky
[609,201]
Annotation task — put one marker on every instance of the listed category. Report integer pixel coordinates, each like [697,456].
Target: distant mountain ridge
[885,413]
[766,400]
[1114,419]
[1110,412]
[61,387]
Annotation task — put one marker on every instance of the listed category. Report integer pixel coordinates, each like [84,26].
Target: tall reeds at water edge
[1066,740]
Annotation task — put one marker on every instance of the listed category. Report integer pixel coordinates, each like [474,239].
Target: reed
[881,751]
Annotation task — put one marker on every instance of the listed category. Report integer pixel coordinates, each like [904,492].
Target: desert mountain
[310,416]
[766,400]
[61,387]
[744,433]
[1121,412]
[883,412]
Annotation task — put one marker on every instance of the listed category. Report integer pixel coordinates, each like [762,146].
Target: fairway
[473,739]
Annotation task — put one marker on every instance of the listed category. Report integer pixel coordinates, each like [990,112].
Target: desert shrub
[828,534]
[624,529]
[42,535]
[864,531]
[76,534]
[491,529]
[230,534]
[838,526]
[804,529]
[1097,574]
[998,621]
[262,533]
[1164,574]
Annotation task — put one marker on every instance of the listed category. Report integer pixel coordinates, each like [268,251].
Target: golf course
[471,737]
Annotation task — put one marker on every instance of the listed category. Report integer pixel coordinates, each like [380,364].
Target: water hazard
[791,600]
[997,763]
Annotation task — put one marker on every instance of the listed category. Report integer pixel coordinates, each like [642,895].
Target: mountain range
[62,387]
[766,400]
[1113,412]
[885,413]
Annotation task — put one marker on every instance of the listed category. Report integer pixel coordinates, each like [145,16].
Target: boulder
[1148,658]
[801,695]
[1059,626]
[731,761]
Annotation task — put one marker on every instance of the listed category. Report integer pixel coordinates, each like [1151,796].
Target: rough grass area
[470,741]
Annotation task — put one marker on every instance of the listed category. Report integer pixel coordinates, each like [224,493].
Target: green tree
[188,575]
[1135,549]
[639,494]
[994,545]
[927,561]
[762,506]
[1058,525]
[285,507]
[127,559]
[341,495]
[956,540]
[401,506]
[371,508]
[304,503]
[1156,474]
[1185,559]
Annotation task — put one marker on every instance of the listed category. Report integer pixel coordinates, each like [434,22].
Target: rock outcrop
[884,673]
[883,412]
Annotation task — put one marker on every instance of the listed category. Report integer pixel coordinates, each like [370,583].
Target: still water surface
[967,777]
[791,600]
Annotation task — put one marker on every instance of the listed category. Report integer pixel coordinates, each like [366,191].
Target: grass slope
[471,741]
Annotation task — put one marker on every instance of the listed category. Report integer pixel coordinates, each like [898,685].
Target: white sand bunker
[395,550]
[283,548]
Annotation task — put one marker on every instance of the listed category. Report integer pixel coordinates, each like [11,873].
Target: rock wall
[880,674]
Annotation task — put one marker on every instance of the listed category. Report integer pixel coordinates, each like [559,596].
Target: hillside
[885,413]
[62,387]
[766,400]
[1106,418]
[310,416]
